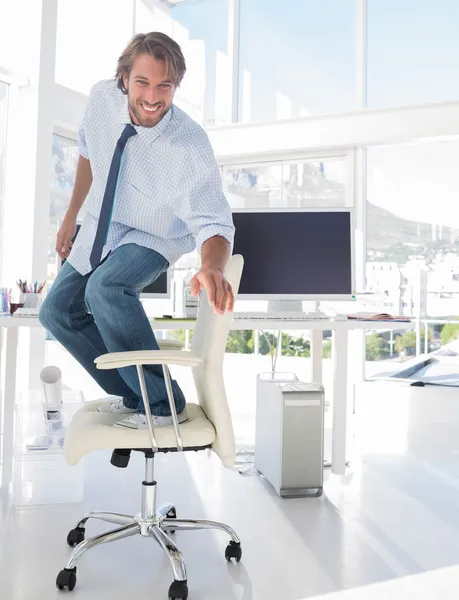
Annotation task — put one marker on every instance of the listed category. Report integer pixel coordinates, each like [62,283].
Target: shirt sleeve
[81,140]
[84,125]
[205,210]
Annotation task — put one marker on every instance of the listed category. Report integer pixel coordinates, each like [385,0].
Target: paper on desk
[372,316]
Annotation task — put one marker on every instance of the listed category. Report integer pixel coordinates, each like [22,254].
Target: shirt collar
[147,134]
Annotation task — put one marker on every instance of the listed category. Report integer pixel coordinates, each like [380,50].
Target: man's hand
[64,237]
[219,292]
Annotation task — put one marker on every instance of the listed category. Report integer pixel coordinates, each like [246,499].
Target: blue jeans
[101,312]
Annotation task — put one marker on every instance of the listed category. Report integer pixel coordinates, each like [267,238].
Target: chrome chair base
[156,524]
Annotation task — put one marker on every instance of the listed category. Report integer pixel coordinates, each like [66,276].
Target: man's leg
[64,314]
[112,297]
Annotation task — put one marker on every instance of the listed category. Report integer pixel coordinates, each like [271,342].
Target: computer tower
[289,438]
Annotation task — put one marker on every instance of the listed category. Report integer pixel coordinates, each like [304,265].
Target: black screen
[159,286]
[306,253]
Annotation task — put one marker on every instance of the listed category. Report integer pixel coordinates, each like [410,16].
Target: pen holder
[32,300]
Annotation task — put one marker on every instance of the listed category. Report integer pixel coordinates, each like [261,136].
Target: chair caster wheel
[66,579]
[75,536]
[172,514]
[233,550]
[178,590]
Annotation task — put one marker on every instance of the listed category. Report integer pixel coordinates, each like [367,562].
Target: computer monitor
[160,288]
[296,254]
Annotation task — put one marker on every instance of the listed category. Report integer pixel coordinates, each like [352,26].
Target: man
[153,193]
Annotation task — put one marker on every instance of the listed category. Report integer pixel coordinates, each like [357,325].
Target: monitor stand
[283,306]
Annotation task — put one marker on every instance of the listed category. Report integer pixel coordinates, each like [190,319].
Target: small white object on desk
[340,318]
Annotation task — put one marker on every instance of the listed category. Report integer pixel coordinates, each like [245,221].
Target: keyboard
[26,312]
[280,316]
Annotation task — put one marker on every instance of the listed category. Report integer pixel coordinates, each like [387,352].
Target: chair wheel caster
[178,590]
[172,514]
[75,536]
[233,550]
[66,579]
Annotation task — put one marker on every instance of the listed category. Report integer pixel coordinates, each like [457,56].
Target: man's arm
[208,217]
[83,181]
[215,253]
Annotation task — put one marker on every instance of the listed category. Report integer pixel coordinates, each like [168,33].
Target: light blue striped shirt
[169,193]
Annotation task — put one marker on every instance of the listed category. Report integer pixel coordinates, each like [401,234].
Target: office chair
[209,427]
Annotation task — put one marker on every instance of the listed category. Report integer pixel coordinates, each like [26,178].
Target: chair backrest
[209,342]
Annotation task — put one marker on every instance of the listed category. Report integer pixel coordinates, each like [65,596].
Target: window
[201,29]
[296,60]
[307,183]
[413,240]
[3,118]
[87,52]
[412,52]
[65,158]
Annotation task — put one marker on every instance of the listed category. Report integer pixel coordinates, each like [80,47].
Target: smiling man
[153,193]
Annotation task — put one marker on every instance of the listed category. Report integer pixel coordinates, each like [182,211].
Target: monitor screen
[160,288]
[305,254]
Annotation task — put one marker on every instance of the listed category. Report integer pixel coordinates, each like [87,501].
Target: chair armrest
[117,360]
[170,344]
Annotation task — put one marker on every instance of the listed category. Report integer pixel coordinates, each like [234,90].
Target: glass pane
[65,157]
[301,60]
[201,29]
[315,184]
[309,183]
[85,52]
[253,186]
[412,246]
[412,52]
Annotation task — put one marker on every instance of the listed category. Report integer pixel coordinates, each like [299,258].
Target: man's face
[150,93]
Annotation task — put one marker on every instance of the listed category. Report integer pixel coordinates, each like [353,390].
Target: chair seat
[91,430]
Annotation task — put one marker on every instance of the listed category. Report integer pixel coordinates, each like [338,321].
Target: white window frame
[2,191]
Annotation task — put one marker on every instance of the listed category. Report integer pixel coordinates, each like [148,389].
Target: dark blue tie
[109,197]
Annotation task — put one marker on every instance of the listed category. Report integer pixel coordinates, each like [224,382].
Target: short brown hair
[161,47]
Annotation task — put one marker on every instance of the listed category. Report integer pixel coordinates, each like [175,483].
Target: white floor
[391,524]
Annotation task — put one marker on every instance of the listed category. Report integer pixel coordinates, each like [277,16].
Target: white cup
[51,378]
[32,300]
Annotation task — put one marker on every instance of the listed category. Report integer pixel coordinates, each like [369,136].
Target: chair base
[156,524]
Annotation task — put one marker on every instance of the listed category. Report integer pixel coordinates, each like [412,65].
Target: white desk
[340,331]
